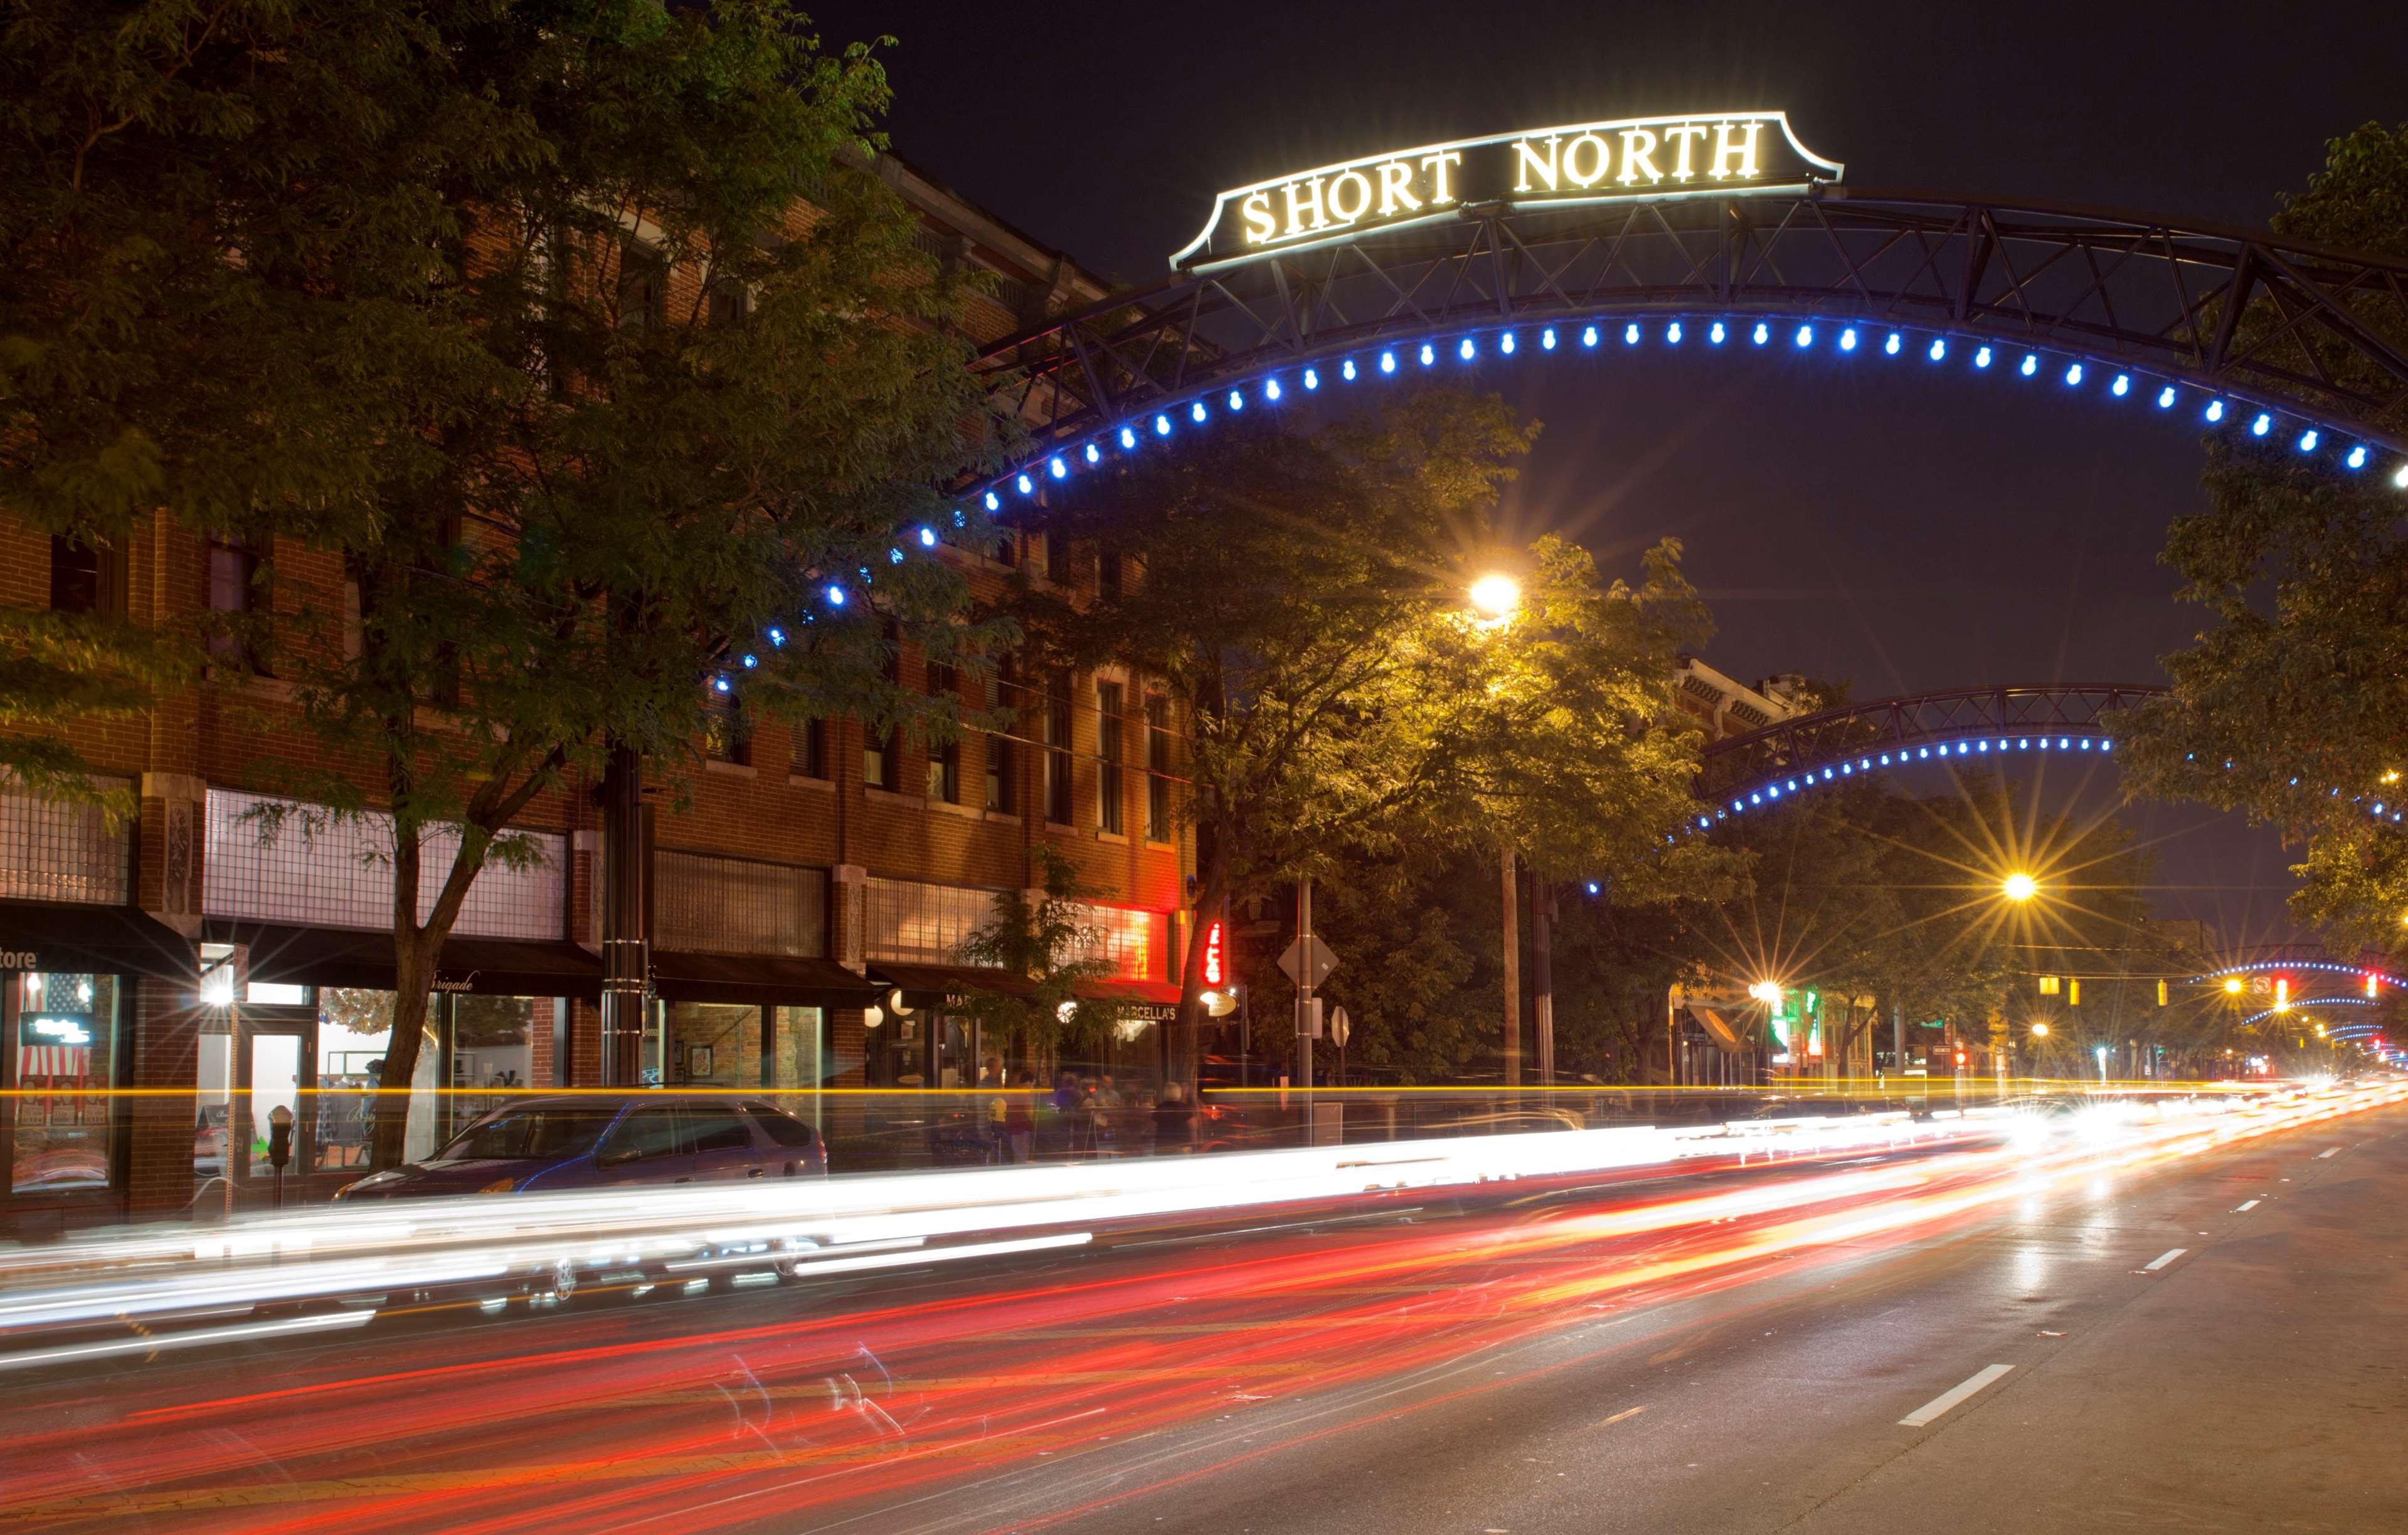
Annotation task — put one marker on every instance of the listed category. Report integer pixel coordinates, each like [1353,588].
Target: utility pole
[1513,970]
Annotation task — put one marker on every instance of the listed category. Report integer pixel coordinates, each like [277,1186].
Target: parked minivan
[551,1144]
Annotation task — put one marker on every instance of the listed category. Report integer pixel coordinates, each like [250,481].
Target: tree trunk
[414,951]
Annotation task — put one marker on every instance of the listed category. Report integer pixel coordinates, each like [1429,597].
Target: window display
[66,1047]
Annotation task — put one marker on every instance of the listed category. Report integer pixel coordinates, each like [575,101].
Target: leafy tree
[1050,942]
[179,177]
[1303,597]
[582,394]
[2292,704]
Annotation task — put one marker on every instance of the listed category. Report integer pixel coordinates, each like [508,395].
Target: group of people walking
[1085,1116]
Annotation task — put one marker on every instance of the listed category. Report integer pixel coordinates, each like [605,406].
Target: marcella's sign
[1630,158]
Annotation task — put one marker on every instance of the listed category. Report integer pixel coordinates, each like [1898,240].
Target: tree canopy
[1302,595]
[2292,704]
[578,348]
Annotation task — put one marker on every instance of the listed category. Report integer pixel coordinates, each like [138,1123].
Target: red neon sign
[1212,966]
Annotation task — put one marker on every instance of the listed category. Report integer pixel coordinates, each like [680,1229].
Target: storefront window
[214,1116]
[65,1042]
[494,1044]
[714,1044]
[354,1035]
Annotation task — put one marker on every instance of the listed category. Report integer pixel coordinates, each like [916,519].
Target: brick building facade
[808,895]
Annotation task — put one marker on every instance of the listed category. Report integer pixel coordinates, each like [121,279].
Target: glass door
[274,1059]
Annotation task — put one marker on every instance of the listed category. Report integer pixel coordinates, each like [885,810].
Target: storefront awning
[1114,989]
[41,935]
[758,980]
[493,967]
[927,985]
[1720,1026]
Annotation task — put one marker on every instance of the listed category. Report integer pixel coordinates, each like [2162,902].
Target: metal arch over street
[1884,733]
[2231,325]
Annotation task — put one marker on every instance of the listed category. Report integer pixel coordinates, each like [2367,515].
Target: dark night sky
[1897,529]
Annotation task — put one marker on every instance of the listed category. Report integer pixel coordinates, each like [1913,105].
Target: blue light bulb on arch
[2307,436]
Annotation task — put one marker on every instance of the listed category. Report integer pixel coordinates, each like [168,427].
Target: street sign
[1291,960]
[1339,1027]
[1308,1017]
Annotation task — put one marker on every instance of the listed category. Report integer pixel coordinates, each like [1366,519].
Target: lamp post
[1496,597]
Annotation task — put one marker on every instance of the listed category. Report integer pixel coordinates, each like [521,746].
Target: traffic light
[2161,993]
[2372,983]
[2073,991]
[2048,985]
[1960,1060]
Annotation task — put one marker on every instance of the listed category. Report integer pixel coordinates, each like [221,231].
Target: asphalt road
[2257,1381]
[1731,1352]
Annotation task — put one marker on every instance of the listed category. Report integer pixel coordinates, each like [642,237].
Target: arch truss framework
[2193,321]
[1793,756]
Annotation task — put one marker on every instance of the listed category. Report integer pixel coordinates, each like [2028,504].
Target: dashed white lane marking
[2328,1151]
[1626,1412]
[2250,1205]
[1954,1395]
[2163,1258]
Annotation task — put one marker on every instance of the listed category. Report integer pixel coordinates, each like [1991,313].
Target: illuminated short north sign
[1630,158]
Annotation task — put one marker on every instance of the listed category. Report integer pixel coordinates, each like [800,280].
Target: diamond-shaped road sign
[1291,960]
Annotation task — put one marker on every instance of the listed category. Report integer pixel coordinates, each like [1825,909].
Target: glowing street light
[2020,887]
[2040,1030]
[2232,984]
[1767,992]
[1496,594]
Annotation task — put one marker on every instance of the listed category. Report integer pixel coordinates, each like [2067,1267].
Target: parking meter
[279,1146]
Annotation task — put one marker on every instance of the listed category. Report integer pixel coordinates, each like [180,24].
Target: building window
[1134,944]
[727,732]
[51,851]
[730,303]
[945,772]
[355,620]
[63,1028]
[1001,788]
[910,921]
[1108,572]
[881,767]
[234,590]
[1006,548]
[1056,737]
[643,290]
[707,904]
[1110,698]
[810,754]
[317,870]
[1057,556]
[998,774]
[1157,766]
[85,578]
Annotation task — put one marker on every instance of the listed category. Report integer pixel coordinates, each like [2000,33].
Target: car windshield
[546,1131]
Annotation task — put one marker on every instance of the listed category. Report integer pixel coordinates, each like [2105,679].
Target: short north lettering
[1634,158]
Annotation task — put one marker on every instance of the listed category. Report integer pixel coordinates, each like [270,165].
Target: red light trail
[793,1406]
